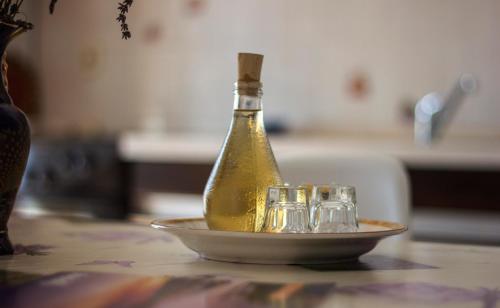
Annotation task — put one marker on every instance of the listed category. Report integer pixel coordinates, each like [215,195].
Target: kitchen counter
[465,154]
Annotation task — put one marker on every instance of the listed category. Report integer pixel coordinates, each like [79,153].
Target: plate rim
[171,225]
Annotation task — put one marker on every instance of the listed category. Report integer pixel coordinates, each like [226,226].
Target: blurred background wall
[338,67]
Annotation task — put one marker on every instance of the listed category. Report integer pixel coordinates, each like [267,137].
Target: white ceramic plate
[278,248]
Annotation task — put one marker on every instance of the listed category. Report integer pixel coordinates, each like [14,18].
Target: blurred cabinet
[464,189]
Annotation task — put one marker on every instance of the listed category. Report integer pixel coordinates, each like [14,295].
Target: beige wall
[176,73]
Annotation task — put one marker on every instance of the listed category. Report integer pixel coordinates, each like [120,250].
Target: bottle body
[235,193]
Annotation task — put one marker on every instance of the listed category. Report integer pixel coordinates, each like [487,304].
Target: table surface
[70,262]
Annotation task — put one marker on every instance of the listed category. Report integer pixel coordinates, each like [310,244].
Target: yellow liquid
[235,193]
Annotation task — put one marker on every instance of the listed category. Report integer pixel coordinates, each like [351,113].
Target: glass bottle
[235,193]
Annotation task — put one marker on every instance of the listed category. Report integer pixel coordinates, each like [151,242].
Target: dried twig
[8,11]
[123,8]
[52,6]
[10,8]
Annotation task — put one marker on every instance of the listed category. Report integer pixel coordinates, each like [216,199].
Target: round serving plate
[279,248]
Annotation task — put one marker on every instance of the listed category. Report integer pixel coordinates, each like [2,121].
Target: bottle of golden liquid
[235,193]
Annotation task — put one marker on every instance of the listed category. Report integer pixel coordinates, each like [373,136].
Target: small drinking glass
[333,209]
[286,210]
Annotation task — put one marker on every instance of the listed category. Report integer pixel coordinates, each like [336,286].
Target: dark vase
[14,142]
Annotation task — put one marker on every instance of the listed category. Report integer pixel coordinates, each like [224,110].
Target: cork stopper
[249,67]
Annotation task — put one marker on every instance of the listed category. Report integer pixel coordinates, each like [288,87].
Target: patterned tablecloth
[81,263]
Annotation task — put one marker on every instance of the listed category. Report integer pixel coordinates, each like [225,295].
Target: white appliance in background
[381,182]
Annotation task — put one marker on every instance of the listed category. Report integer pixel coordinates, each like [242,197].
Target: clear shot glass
[333,209]
[286,210]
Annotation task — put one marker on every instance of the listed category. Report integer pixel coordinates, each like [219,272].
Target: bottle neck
[247,95]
